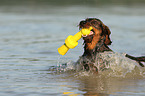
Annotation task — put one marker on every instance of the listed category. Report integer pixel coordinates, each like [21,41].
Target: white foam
[116,61]
[116,64]
[108,64]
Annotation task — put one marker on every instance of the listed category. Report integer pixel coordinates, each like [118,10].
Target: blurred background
[71,2]
[29,17]
[32,30]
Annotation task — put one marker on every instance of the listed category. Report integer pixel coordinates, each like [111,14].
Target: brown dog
[97,42]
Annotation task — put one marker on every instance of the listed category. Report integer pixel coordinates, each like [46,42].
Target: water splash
[109,64]
[117,63]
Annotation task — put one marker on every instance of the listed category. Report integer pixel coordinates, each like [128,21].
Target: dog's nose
[82,23]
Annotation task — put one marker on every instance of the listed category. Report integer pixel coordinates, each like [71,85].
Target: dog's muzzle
[88,38]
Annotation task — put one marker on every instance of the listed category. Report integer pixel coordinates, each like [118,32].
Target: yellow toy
[71,41]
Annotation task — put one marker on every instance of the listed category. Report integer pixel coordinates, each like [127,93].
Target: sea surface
[31,66]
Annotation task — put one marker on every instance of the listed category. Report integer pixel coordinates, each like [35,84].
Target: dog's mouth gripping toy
[72,41]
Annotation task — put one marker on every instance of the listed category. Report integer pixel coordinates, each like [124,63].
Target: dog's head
[98,32]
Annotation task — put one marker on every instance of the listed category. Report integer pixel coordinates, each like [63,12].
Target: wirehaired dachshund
[97,42]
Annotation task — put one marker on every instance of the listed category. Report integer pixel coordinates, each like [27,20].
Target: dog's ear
[107,32]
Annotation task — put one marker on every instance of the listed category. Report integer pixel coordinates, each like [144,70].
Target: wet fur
[98,42]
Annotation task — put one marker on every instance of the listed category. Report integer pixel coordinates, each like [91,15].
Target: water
[30,35]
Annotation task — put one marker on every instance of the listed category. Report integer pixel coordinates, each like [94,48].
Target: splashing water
[117,63]
[110,64]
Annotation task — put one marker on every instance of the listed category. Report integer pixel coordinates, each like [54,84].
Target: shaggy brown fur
[98,42]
